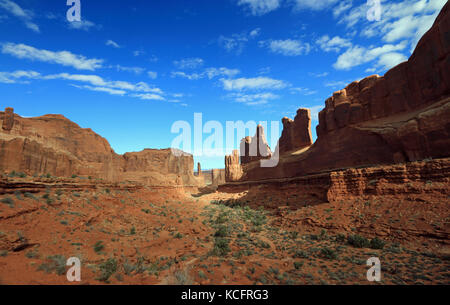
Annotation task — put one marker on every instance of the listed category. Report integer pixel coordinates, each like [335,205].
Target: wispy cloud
[90,82]
[256,83]
[358,55]
[302,91]
[25,15]
[260,7]
[253,99]
[152,74]
[288,47]
[333,44]
[113,44]
[236,42]
[314,4]
[84,25]
[209,73]
[188,63]
[135,70]
[64,58]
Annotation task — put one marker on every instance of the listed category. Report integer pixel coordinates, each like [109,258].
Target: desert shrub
[74,176]
[298,265]
[56,263]
[3,253]
[358,241]
[178,235]
[18,195]
[300,254]
[30,195]
[221,246]
[328,253]
[222,231]
[181,277]
[133,231]
[98,247]
[377,243]
[107,269]
[7,200]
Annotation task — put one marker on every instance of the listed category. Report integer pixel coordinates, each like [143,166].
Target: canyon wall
[400,117]
[52,144]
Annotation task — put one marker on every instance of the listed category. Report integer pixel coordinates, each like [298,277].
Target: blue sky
[130,69]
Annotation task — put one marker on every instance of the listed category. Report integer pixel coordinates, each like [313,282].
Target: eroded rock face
[296,133]
[199,169]
[400,117]
[411,85]
[8,119]
[217,177]
[55,145]
[233,168]
[256,148]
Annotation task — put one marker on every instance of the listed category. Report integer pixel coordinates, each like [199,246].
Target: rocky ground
[129,234]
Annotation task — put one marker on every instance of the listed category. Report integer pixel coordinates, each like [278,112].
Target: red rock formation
[199,169]
[8,119]
[233,169]
[400,117]
[256,148]
[296,133]
[217,177]
[55,145]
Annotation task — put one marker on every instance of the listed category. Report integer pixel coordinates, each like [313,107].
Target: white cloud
[214,72]
[260,7]
[149,96]
[287,47]
[138,53]
[253,99]
[25,15]
[102,89]
[314,4]
[343,6]
[358,55]
[14,77]
[405,20]
[64,58]
[135,70]
[113,44]
[255,32]
[319,74]
[90,82]
[192,76]
[152,74]
[303,91]
[236,42]
[84,25]
[389,60]
[256,83]
[335,84]
[208,72]
[98,81]
[188,63]
[334,44]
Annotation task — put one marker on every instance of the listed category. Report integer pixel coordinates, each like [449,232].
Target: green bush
[222,231]
[107,269]
[7,200]
[98,247]
[221,246]
[57,263]
[358,241]
[377,243]
[328,253]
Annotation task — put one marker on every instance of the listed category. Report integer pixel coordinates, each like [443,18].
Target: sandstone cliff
[402,116]
[52,144]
